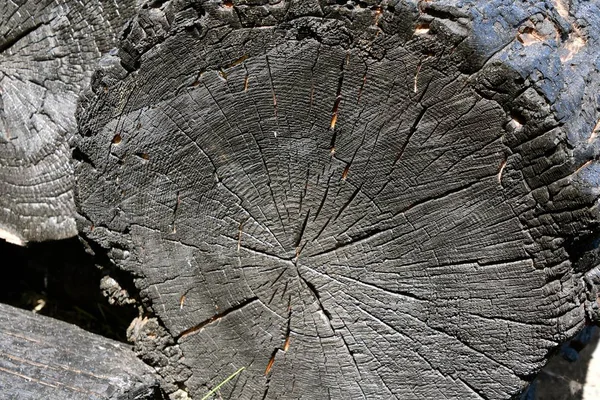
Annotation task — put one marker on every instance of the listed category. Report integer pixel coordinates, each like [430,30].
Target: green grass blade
[230,377]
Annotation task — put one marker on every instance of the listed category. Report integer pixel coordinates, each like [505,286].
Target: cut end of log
[47,57]
[455,232]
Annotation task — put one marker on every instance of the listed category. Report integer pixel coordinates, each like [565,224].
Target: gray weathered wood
[42,358]
[374,199]
[48,51]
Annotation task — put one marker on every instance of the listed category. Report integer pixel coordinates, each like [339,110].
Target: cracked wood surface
[48,51]
[359,200]
[42,358]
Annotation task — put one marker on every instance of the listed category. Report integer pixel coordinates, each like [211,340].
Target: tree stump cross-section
[348,199]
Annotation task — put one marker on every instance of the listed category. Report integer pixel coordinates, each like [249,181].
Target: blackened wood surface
[42,358]
[48,51]
[349,199]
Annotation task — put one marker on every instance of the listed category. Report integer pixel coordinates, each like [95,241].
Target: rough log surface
[374,199]
[42,358]
[48,51]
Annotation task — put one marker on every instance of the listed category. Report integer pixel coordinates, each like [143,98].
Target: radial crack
[14,40]
[215,318]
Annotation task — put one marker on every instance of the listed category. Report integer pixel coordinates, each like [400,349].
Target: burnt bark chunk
[42,358]
[48,51]
[376,199]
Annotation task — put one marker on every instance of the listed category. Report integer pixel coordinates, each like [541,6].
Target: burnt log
[48,51]
[42,358]
[349,199]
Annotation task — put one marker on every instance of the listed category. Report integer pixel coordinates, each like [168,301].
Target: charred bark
[42,358]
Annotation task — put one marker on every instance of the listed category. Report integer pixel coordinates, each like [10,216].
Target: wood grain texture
[349,199]
[42,358]
[48,51]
